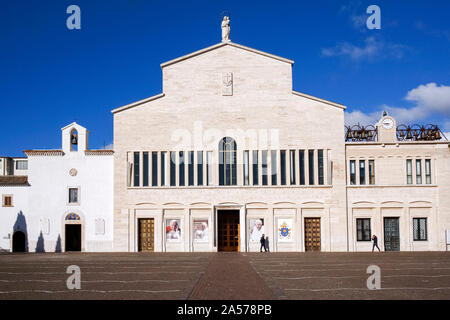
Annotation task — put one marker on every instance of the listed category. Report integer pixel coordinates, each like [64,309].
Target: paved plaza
[226,276]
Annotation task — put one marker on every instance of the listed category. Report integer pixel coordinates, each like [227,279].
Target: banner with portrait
[173,230]
[256,229]
[201,230]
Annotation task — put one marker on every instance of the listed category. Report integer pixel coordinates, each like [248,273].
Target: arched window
[227,162]
[74,140]
[72,217]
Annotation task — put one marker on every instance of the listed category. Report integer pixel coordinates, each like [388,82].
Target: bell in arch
[74,139]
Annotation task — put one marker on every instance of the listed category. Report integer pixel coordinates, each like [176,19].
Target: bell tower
[74,138]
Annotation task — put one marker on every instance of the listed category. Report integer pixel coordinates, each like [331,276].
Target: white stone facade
[229,90]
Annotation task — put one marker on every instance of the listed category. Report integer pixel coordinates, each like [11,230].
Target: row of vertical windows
[363,230]
[418,171]
[310,164]
[370,179]
[285,171]
[177,159]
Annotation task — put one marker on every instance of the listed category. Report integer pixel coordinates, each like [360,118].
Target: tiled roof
[13,180]
[102,152]
[43,152]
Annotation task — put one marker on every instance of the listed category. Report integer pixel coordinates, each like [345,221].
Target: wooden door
[228,231]
[391,234]
[312,234]
[146,234]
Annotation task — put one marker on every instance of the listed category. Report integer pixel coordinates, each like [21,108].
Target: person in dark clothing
[266,244]
[263,244]
[375,243]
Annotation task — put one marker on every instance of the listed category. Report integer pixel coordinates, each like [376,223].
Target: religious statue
[226,29]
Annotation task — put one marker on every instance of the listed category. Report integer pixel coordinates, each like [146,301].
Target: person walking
[266,244]
[263,243]
[375,243]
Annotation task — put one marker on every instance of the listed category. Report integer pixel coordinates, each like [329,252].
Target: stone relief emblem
[227,83]
[73,172]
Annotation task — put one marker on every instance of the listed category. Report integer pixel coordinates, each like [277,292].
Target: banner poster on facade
[201,230]
[256,229]
[284,229]
[173,230]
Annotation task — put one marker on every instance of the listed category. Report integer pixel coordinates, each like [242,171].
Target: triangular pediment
[223,44]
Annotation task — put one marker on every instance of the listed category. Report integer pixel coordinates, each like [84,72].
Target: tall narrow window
[163,168]
[173,169]
[362,172]
[209,168]
[145,169]
[419,171]
[363,229]
[371,171]
[320,166]
[311,166]
[73,196]
[199,168]
[154,169]
[255,168]
[352,172]
[191,168]
[181,169]
[292,166]
[137,159]
[302,166]
[283,167]
[428,171]
[409,171]
[246,168]
[420,229]
[273,161]
[227,162]
[264,167]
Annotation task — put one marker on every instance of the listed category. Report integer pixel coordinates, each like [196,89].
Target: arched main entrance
[72,232]
[18,242]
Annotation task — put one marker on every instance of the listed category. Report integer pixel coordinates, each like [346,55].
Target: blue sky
[51,76]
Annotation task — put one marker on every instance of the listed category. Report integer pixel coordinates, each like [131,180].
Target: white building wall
[50,180]
[12,217]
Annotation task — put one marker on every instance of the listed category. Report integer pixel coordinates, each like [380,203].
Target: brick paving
[230,276]
[226,276]
[404,275]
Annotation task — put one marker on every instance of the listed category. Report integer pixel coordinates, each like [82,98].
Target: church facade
[229,152]
[64,203]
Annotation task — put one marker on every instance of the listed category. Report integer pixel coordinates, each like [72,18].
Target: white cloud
[358,117]
[431,97]
[372,49]
[109,146]
[430,100]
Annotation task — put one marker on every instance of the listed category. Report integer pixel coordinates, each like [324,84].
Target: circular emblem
[73,172]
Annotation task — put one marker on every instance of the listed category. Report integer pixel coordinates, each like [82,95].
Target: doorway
[18,242]
[73,237]
[228,230]
[146,235]
[391,234]
[312,234]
